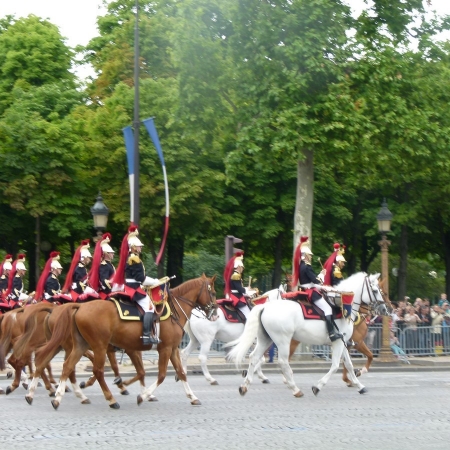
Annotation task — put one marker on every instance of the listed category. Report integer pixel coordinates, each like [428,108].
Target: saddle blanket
[313,312]
[130,311]
[231,313]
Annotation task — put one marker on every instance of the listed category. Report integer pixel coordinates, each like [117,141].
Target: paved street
[401,411]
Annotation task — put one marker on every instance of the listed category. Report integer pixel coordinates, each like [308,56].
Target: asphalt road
[400,411]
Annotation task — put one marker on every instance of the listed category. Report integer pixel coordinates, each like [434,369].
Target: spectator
[411,321]
[442,300]
[395,347]
[424,328]
[437,317]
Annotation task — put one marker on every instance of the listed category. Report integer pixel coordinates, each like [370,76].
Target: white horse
[203,332]
[282,321]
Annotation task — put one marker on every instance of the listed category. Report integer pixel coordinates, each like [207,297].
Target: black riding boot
[334,335]
[147,326]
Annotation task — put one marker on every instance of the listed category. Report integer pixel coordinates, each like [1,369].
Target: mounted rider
[5,269]
[234,289]
[16,293]
[130,277]
[334,265]
[304,274]
[48,288]
[77,278]
[102,270]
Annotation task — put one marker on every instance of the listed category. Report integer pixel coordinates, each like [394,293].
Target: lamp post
[100,215]
[384,219]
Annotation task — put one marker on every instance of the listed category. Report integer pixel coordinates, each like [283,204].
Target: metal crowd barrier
[422,341]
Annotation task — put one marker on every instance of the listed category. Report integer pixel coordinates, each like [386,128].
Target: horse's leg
[111,354]
[351,372]
[337,348]
[193,344]
[292,347]
[163,360]
[17,366]
[50,374]
[362,348]
[176,362]
[259,372]
[262,343]
[77,390]
[136,359]
[203,358]
[284,354]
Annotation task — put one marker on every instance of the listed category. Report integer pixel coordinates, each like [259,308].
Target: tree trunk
[305,198]
[403,266]
[446,243]
[278,272]
[175,254]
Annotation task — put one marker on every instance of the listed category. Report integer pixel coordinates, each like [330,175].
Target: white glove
[150,281]
[88,290]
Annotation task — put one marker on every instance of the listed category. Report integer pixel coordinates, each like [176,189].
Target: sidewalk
[218,365]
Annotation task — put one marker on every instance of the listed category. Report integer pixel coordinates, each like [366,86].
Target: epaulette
[54,276]
[236,276]
[337,272]
[3,277]
[17,275]
[133,259]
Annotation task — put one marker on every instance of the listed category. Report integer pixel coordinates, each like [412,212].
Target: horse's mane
[185,287]
[353,280]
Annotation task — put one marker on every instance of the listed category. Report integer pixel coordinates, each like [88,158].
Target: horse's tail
[60,333]
[5,340]
[245,341]
[29,328]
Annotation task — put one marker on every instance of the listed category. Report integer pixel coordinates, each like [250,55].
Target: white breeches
[324,306]
[245,310]
[146,304]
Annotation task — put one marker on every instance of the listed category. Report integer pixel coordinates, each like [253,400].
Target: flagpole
[136,122]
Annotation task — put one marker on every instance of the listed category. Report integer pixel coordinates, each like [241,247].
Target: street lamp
[384,219]
[100,215]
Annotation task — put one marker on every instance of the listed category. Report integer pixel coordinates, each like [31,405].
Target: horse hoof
[139,399]
[86,402]
[244,373]
[114,406]
[358,372]
[196,402]
[153,399]
[125,392]
[25,386]
[266,381]
[242,390]
[52,394]
[55,404]
[214,383]
[9,375]
[176,378]
[315,390]
[82,384]
[29,399]
[68,389]
[299,394]
[2,392]
[8,390]
[363,390]
[117,380]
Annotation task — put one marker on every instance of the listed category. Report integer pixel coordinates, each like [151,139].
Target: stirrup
[335,336]
[150,340]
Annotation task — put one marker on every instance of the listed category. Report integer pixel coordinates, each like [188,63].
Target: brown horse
[12,327]
[29,342]
[88,332]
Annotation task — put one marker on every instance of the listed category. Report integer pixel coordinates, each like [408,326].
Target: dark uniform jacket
[79,278]
[17,289]
[134,277]
[336,275]
[52,287]
[307,276]
[3,284]
[106,271]
[237,288]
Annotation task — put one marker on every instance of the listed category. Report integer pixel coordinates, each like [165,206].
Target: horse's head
[206,299]
[387,308]
[373,295]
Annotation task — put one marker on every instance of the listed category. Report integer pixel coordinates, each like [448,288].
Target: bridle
[372,292]
[208,309]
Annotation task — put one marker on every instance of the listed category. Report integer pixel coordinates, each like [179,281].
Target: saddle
[129,310]
[231,314]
